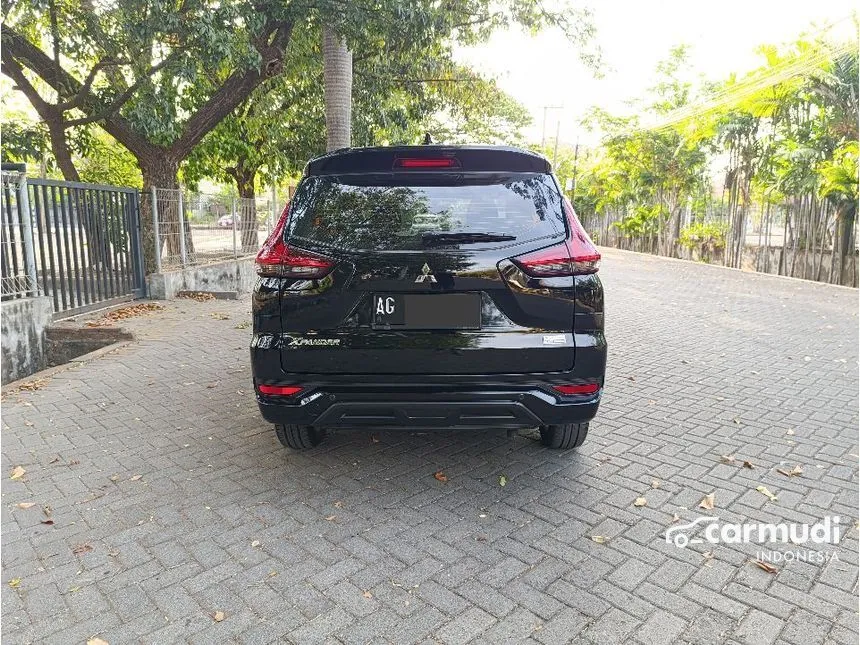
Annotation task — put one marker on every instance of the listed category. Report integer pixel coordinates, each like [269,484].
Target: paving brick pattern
[154,456]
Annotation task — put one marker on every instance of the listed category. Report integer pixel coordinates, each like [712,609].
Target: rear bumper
[385,405]
[441,401]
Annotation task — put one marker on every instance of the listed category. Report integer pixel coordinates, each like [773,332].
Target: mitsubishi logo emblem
[426,275]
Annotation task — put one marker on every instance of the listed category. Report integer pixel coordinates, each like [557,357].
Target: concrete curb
[50,372]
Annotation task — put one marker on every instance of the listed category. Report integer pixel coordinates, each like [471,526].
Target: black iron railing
[84,242]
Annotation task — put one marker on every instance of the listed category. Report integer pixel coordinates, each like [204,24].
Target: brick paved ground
[155,457]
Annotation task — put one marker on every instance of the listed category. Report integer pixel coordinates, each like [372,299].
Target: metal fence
[17,259]
[77,243]
[211,228]
[768,241]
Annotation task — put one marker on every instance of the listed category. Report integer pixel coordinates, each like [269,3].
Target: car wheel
[300,437]
[563,436]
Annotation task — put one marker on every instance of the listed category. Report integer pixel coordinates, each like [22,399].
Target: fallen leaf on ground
[17,472]
[374,438]
[218,616]
[243,325]
[727,459]
[255,543]
[26,505]
[708,502]
[503,480]
[440,476]
[199,296]
[655,483]
[81,548]
[134,478]
[675,518]
[789,431]
[55,459]
[640,501]
[748,464]
[124,313]
[330,518]
[15,583]
[797,471]
[737,421]
[338,504]
[764,491]
[599,539]
[36,384]
[765,565]
[219,316]
[48,521]
[367,594]
[114,478]
[97,641]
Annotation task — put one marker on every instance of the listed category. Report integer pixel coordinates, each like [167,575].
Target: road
[172,501]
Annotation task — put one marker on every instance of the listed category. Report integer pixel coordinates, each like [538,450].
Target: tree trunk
[247,209]
[337,69]
[161,172]
[60,150]
[846,214]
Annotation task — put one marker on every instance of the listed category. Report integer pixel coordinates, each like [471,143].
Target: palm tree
[337,70]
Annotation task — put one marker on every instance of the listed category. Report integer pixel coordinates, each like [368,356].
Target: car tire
[563,436]
[300,437]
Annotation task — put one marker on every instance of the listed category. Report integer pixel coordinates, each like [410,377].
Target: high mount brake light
[576,256]
[578,388]
[427,162]
[277,260]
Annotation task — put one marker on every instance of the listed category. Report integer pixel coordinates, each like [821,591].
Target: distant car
[428,286]
[226,221]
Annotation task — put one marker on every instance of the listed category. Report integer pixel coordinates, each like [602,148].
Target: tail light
[576,256]
[277,260]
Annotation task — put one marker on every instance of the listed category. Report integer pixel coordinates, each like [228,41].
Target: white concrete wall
[230,275]
[22,342]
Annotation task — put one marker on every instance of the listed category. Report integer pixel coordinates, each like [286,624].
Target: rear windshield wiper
[441,239]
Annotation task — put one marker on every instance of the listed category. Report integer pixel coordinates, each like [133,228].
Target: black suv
[428,286]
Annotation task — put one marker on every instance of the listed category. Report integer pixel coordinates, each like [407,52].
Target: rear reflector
[426,162]
[277,260]
[579,388]
[279,390]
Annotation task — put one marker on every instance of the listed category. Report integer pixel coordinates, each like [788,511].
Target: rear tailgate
[423,280]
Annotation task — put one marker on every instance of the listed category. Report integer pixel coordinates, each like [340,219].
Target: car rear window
[405,211]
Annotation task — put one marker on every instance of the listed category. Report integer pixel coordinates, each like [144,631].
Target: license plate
[427,311]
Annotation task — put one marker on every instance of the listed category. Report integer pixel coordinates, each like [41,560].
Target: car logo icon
[426,275]
[680,539]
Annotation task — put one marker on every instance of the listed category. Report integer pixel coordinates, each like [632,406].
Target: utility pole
[555,152]
[575,157]
[543,130]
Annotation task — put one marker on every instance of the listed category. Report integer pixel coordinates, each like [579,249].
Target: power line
[743,90]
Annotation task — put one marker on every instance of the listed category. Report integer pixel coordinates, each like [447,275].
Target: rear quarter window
[398,211]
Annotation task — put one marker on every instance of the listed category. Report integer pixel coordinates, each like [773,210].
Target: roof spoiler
[468,159]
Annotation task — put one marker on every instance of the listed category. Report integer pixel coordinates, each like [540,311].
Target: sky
[634,36]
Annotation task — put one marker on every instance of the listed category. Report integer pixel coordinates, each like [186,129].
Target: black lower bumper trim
[398,409]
